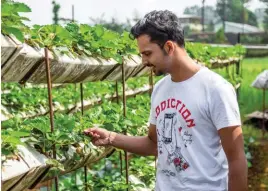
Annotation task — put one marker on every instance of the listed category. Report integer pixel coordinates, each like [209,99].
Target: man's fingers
[99,142]
[94,140]
[97,135]
[92,132]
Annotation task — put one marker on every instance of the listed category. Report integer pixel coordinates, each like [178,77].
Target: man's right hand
[100,137]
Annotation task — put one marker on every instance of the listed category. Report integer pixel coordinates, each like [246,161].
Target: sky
[120,9]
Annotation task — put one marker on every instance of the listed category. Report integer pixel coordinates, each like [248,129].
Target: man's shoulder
[213,79]
[215,84]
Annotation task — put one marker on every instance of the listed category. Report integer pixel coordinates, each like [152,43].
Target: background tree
[265,21]
[210,13]
[235,11]
[55,10]
[113,24]
[210,16]
[193,10]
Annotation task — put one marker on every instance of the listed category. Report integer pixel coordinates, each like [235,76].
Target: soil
[258,173]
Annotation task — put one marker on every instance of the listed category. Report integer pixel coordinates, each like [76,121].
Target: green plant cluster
[76,39]
[68,128]
[32,100]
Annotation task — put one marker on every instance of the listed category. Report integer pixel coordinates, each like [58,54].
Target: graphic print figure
[187,138]
[169,141]
[169,124]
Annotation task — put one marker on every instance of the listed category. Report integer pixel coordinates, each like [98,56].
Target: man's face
[153,55]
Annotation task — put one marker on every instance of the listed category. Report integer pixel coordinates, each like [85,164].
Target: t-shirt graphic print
[188,116]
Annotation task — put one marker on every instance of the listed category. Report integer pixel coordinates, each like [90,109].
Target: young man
[195,129]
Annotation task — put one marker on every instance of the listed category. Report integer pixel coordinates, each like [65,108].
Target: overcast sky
[120,9]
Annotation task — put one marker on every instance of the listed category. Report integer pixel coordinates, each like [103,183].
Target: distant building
[192,21]
[186,19]
[231,27]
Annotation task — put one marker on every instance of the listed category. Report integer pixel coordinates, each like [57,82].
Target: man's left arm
[233,145]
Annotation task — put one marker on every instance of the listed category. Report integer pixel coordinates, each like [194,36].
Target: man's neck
[184,68]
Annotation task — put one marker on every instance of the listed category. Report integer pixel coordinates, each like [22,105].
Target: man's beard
[159,73]
[165,70]
[153,68]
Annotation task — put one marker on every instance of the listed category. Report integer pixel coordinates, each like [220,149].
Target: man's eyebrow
[146,51]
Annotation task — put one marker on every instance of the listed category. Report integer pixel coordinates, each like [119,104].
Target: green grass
[250,98]
[251,131]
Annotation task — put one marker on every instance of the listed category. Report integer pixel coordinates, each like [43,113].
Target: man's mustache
[148,64]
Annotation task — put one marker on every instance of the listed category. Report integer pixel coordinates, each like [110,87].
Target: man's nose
[144,61]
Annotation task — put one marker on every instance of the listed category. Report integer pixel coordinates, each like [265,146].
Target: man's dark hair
[161,26]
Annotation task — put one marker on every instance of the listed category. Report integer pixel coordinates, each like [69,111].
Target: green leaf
[125,36]
[251,140]
[106,54]
[80,47]
[109,35]
[85,29]
[19,133]
[5,151]
[118,58]
[99,30]
[55,163]
[50,137]
[21,7]
[25,18]
[6,9]
[87,52]
[16,32]
[128,123]
[11,140]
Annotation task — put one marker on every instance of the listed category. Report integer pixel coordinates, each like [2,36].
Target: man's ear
[169,47]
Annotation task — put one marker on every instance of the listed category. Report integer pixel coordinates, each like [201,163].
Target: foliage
[251,68]
[210,27]
[22,100]
[210,13]
[106,174]
[76,39]
[220,36]
[249,39]
[11,21]
[56,8]
[232,10]
[266,16]
[205,53]
[10,138]
[68,129]
[84,40]
[113,25]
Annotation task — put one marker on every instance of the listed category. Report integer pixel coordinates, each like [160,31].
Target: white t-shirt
[187,116]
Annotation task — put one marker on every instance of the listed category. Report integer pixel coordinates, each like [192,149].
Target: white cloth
[261,80]
[188,115]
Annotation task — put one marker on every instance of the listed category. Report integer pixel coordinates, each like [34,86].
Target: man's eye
[147,54]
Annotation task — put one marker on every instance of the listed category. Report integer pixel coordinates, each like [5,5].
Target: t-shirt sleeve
[152,118]
[223,106]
